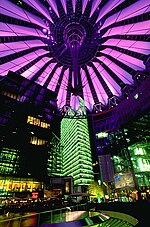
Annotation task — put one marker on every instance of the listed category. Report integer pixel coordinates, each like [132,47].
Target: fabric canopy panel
[87,52]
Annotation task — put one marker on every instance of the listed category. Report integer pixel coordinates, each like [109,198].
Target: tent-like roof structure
[91,53]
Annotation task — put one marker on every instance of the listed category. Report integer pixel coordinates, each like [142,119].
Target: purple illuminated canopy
[80,49]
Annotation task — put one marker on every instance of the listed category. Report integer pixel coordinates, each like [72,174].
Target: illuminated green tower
[76,154]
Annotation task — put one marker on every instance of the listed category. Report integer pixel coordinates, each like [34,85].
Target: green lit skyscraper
[76,154]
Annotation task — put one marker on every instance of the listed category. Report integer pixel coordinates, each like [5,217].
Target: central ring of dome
[69,33]
[74,35]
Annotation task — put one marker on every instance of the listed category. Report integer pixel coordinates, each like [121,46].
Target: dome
[91,53]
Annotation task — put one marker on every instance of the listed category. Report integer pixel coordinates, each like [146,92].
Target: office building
[76,152]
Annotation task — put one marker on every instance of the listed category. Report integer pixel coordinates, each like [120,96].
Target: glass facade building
[76,152]
[123,133]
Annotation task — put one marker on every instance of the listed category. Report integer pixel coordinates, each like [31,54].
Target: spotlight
[44,30]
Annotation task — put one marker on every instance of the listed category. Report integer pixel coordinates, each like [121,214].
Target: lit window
[37,122]
[36,141]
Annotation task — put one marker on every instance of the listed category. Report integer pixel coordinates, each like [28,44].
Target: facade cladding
[76,152]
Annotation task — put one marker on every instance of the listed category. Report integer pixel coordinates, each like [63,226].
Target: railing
[37,219]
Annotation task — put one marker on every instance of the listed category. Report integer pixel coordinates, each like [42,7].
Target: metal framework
[92,50]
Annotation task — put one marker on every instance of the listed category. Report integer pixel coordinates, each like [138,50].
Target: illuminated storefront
[12,186]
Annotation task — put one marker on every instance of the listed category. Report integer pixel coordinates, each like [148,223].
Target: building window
[37,141]
[12,95]
[67,188]
[37,122]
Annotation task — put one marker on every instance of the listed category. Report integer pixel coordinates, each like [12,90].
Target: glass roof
[87,51]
